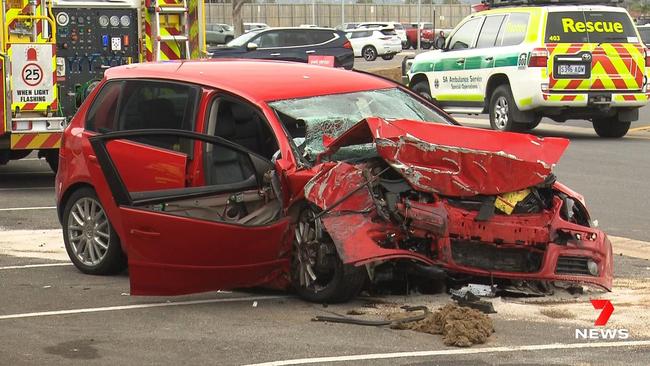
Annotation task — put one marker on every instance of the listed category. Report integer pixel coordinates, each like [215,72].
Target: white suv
[370,43]
[399,29]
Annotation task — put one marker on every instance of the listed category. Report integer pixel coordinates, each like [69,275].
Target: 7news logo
[606,309]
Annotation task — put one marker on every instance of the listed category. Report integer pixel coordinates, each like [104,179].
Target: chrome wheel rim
[501,113]
[307,242]
[369,54]
[88,231]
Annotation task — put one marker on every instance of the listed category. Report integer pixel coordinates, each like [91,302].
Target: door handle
[310,51]
[275,54]
[460,61]
[144,234]
[489,58]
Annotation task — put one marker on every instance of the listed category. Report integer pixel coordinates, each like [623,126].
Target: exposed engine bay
[374,213]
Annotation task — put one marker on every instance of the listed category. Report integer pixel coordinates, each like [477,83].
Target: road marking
[139,306]
[28,208]
[640,128]
[26,189]
[36,265]
[446,352]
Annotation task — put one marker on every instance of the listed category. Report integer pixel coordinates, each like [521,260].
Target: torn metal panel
[457,161]
[330,186]
[356,237]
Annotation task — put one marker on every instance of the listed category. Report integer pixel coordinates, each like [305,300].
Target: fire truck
[52,54]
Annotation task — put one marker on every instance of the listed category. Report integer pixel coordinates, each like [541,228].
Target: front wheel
[422,89]
[369,53]
[388,57]
[426,46]
[90,240]
[610,127]
[317,272]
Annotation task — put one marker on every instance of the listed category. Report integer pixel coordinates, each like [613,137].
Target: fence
[329,15]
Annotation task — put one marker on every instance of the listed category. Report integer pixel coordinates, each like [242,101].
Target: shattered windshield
[309,119]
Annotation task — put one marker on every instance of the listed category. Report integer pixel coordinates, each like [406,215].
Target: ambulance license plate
[572,70]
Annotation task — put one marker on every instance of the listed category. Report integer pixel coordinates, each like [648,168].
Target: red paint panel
[172,255]
[147,168]
[334,183]
[458,161]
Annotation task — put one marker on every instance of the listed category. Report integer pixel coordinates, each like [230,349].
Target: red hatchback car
[228,174]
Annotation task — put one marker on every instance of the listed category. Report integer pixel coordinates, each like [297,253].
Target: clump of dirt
[558,313]
[459,326]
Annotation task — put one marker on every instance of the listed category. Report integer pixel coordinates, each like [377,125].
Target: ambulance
[583,60]
[53,52]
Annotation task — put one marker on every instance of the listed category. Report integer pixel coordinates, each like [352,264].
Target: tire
[406,45]
[422,89]
[330,281]
[77,230]
[502,105]
[611,127]
[52,159]
[388,57]
[227,40]
[426,46]
[369,53]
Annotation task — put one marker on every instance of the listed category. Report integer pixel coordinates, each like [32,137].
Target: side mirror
[251,46]
[439,43]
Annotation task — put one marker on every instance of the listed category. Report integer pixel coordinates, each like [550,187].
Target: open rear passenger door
[221,229]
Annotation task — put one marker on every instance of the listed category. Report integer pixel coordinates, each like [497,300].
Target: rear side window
[101,116]
[398,26]
[489,31]
[645,34]
[514,30]
[320,36]
[589,27]
[388,32]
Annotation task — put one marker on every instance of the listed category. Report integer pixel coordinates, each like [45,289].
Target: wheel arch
[66,195]
[418,78]
[494,82]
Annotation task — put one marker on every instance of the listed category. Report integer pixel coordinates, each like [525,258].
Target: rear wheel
[317,272]
[388,57]
[369,53]
[90,240]
[502,108]
[426,46]
[610,127]
[406,45]
[52,159]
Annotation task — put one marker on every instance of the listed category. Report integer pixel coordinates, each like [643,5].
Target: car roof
[552,8]
[256,80]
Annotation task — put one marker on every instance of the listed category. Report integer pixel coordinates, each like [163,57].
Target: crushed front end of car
[459,200]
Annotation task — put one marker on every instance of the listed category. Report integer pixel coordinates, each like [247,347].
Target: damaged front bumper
[439,219]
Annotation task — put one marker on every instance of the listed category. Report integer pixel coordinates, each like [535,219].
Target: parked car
[235,173]
[346,26]
[290,44]
[370,43]
[254,26]
[426,32]
[644,32]
[399,30]
[216,34]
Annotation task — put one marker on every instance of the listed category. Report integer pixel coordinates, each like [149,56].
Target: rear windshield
[590,27]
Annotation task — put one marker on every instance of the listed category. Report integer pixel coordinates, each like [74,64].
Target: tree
[641,6]
[237,21]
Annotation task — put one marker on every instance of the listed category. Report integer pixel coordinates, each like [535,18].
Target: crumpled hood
[454,160]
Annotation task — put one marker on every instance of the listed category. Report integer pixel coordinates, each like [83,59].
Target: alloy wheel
[501,113]
[369,54]
[308,242]
[88,231]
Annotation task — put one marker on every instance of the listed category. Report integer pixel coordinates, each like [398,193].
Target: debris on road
[476,289]
[474,302]
[459,326]
[397,320]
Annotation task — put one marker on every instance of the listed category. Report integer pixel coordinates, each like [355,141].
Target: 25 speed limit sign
[32,74]
[32,66]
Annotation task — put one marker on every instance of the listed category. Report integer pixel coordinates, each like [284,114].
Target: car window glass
[158,105]
[294,38]
[488,35]
[268,40]
[464,36]
[388,32]
[398,26]
[101,116]
[514,30]
[645,34]
[589,27]
[320,36]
